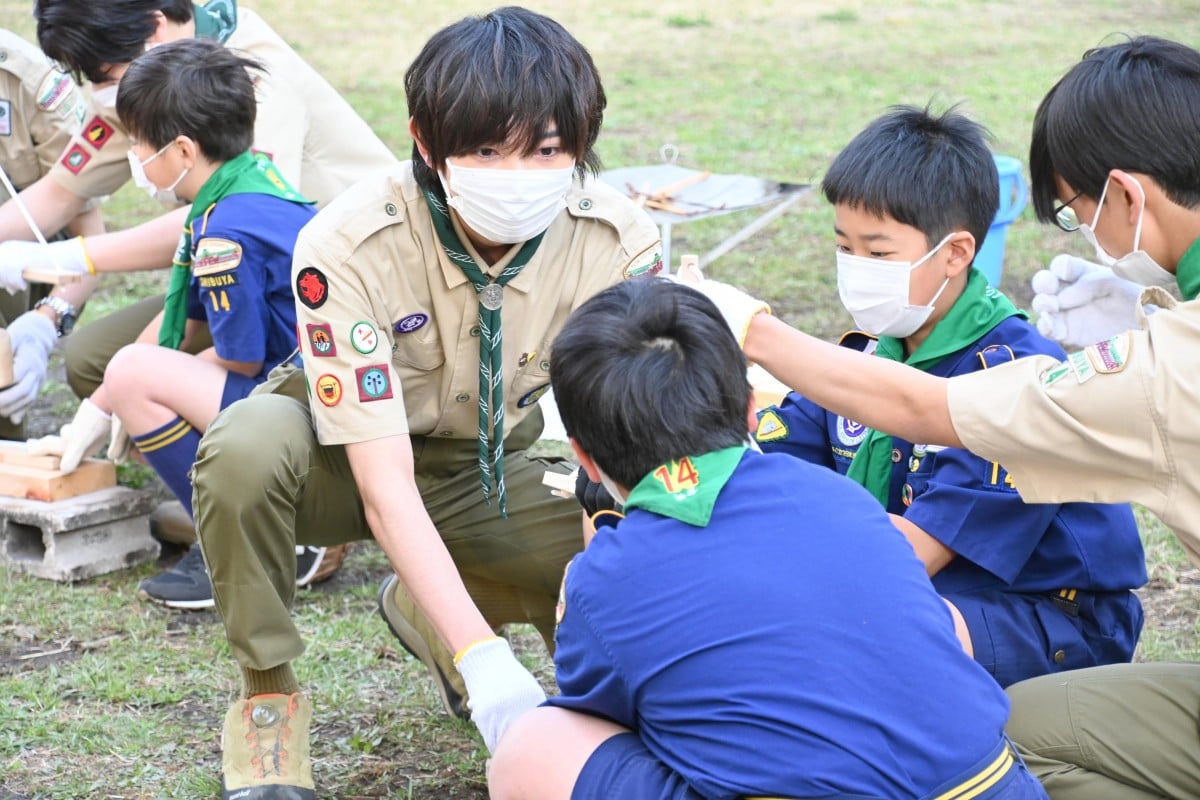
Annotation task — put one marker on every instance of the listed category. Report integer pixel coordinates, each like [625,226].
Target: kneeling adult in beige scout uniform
[427,300]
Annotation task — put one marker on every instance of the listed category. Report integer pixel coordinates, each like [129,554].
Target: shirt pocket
[419,349]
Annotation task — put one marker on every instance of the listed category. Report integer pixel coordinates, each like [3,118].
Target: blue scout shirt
[241,281]
[971,506]
[790,647]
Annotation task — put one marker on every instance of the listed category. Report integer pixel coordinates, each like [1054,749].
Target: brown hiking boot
[264,749]
[409,626]
[331,562]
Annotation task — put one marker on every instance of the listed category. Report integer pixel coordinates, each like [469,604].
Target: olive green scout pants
[1117,732]
[263,484]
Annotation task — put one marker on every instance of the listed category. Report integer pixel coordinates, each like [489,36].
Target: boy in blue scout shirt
[1034,588]
[717,641]
[189,107]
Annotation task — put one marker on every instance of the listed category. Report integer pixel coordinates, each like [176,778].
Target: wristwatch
[62,309]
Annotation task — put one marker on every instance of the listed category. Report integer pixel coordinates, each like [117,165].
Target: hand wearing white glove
[1080,303]
[32,336]
[78,438]
[498,687]
[16,256]
[737,307]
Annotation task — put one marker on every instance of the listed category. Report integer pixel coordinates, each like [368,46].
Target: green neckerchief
[216,20]
[977,311]
[246,174]
[1187,272]
[491,372]
[686,489]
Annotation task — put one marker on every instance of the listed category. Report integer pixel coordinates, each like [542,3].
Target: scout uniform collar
[216,20]
[686,489]
[245,174]
[491,372]
[1187,272]
[977,311]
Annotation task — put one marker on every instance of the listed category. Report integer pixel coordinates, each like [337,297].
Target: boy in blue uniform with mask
[190,108]
[753,626]
[1034,588]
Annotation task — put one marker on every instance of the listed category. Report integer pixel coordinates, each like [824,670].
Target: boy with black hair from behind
[753,626]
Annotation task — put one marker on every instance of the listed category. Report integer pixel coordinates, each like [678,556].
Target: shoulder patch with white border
[647,262]
[214,255]
[54,89]
[771,427]
[849,432]
[5,118]
[1111,355]
[1082,366]
[1056,373]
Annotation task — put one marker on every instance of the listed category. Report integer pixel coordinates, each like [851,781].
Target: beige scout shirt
[389,326]
[41,107]
[317,140]
[1118,421]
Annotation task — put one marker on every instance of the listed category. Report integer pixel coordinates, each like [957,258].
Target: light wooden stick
[6,359]
[54,277]
[560,485]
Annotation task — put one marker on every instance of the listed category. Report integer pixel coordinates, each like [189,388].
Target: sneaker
[308,562]
[185,585]
[169,522]
[264,749]
[398,611]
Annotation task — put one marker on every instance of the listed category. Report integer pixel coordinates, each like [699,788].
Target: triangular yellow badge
[771,427]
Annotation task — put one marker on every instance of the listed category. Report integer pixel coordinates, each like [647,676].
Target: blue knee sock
[171,450]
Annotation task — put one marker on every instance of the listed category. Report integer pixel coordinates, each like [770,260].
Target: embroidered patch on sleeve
[55,88]
[5,118]
[97,132]
[75,159]
[647,262]
[312,287]
[373,383]
[771,427]
[364,337]
[1111,355]
[329,390]
[215,255]
[320,340]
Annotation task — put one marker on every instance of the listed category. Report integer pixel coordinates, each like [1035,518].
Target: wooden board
[39,478]
[50,276]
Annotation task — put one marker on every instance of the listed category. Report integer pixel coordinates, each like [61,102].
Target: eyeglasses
[1064,215]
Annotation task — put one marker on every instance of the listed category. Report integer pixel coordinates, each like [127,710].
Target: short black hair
[192,87]
[1133,106]
[507,73]
[646,372]
[934,173]
[86,37]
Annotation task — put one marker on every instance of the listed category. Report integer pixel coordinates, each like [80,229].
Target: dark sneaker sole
[267,793]
[452,701]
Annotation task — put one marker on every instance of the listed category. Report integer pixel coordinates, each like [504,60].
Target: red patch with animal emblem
[97,132]
[75,158]
[312,287]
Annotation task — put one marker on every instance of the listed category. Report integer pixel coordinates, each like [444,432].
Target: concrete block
[78,537]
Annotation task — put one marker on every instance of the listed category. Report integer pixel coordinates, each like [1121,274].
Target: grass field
[108,697]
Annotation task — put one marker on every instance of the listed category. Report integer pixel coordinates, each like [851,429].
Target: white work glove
[33,337]
[1079,303]
[16,256]
[118,442]
[737,307]
[78,438]
[499,689]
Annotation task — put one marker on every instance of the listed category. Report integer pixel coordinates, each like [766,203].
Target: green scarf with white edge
[979,309]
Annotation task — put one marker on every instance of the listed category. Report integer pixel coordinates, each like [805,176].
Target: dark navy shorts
[623,767]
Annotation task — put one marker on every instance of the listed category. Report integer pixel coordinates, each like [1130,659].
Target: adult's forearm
[150,245]
[50,205]
[881,394]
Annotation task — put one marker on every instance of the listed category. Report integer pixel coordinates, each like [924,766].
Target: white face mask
[611,485]
[138,169]
[106,96]
[1137,266]
[875,291]
[507,206]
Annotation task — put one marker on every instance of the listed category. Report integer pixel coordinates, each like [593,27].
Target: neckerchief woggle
[246,174]
[491,372]
[216,20]
[979,309]
[686,489]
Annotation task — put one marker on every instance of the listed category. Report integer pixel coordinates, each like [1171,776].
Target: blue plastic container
[1013,195]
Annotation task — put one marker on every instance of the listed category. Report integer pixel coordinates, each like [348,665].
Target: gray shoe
[398,611]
